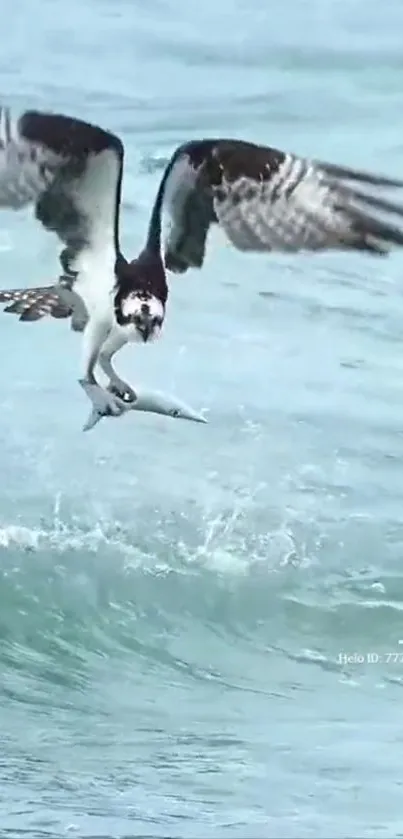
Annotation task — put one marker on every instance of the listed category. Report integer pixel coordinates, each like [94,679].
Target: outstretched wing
[71,172]
[268,200]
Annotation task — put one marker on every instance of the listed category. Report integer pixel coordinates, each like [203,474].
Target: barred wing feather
[32,304]
[268,200]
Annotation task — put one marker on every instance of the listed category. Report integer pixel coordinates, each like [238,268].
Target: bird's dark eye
[175,413]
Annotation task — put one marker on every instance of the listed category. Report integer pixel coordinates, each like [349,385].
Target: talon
[107,403]
[126,394]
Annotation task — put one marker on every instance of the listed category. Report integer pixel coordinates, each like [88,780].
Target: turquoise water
[178,601]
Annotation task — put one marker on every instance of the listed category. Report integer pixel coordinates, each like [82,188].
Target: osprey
[72,172]
[262,198]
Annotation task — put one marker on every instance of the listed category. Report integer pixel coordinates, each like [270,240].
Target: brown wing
[70,171]
[268,200]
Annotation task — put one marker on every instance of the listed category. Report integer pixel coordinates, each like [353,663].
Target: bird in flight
[71,171]
[262,198]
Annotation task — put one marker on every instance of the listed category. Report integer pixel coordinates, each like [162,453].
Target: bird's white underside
[181,180]
[95,195]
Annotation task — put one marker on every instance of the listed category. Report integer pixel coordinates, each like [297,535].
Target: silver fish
[154,402]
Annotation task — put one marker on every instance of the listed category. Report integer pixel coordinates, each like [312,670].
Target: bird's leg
[116,386]
[95,335]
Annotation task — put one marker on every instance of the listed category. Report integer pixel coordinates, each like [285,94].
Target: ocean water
[200,625]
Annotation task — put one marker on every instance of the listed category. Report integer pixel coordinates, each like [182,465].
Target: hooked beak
[145,329]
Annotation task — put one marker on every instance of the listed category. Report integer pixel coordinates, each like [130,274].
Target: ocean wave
[180,594]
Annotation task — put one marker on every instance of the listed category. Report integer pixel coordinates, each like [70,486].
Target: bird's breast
[95,282]
[129,333]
